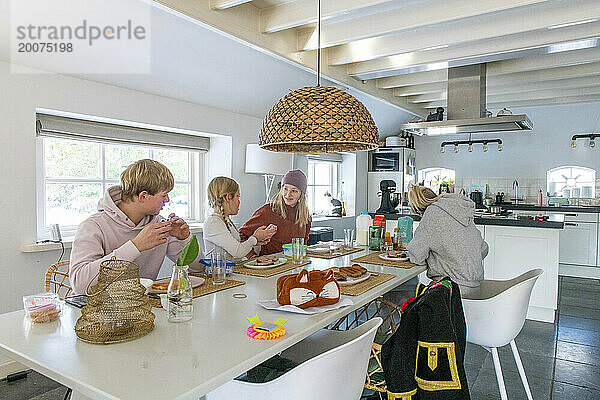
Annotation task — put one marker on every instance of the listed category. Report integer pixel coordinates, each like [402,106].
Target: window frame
[422,172]
[334,173]
[571,168]
[196,164]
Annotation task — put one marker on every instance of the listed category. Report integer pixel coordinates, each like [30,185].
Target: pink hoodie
[108,234]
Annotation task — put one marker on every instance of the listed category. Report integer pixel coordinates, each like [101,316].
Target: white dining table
[175,360]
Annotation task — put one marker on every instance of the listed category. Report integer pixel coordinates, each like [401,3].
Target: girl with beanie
[288,211]
[219,232]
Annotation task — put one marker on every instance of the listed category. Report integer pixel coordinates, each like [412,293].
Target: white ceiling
[538,52]
[193,63]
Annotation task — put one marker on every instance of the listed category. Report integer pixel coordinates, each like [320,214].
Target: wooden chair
[57,279]
[391,314]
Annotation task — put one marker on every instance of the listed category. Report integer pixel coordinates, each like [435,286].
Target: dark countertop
[556,221]
[561,209]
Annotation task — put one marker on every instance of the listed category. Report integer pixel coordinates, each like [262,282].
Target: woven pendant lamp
[318,119]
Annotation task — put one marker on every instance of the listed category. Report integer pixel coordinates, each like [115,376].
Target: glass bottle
[179,293]
[396,239]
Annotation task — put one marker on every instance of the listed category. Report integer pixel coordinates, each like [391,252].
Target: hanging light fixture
[318,119]
[470,144]
[591,136]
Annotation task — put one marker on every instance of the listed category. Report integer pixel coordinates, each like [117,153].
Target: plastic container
[363,222]
[405,227]
[43,307]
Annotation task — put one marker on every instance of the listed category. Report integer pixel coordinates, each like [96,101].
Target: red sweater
[286,228]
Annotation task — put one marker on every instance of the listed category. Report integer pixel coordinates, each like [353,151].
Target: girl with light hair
[288,210]
[447,239]
[219,231]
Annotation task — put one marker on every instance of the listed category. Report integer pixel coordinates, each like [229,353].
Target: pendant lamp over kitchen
[318,119]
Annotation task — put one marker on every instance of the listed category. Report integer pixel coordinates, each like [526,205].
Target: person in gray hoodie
[447,239]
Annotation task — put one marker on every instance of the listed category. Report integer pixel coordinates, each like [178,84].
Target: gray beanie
[295,177]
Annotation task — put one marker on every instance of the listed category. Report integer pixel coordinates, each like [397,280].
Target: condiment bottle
[397,239]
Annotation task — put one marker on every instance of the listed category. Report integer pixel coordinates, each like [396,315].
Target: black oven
[385,160]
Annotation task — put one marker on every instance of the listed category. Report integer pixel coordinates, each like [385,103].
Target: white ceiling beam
[412,16]
[539,16]
[546,102]
[418,78]
[518,70]
[414,90]
[542,102]
[537,95]
[509,83]
[224,4]
[492,49]
[529,88]
[302,12]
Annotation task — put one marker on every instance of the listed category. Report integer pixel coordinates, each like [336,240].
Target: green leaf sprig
[189,252]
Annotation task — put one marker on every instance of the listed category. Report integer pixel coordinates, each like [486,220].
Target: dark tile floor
[561,360]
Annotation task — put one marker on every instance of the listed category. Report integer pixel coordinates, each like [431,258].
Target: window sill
[318,218]
[68,242]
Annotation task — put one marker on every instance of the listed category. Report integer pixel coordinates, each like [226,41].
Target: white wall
[526,154]
[20,95]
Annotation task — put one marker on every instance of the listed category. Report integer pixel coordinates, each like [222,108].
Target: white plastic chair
[497,315]
[333,366]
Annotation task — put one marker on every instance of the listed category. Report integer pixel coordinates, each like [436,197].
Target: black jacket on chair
[424,358]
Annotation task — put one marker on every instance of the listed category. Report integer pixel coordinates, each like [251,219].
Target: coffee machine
[389,199]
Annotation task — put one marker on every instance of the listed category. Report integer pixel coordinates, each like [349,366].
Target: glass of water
[348,239]
[297,250]
[217,263]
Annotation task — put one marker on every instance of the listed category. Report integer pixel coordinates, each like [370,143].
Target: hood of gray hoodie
[108,206]
[457,206]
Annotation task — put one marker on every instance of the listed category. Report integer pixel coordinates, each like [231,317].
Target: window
[433,177]
[322,184]
[571,182]
[76,174]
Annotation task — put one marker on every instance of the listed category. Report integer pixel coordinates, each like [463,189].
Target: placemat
[207,287]
[337,253]
[373,258]
[265,273]
[364,286]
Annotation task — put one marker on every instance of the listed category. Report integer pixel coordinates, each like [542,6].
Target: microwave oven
[395,159]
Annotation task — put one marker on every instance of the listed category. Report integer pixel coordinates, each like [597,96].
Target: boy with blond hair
[128,226]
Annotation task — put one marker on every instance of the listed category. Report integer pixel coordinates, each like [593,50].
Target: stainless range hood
[466,108]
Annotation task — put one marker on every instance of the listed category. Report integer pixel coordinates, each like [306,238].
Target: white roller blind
[73,128]
[331,157]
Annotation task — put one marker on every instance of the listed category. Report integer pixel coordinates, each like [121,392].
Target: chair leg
[513,346]
[499,377]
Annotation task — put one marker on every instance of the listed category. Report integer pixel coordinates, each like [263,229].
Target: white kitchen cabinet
[515,250]
[579,243]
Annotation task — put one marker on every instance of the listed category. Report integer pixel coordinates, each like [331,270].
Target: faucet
[516,190]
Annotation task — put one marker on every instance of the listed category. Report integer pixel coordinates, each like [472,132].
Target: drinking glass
[179,294]
[349,238]
[297,250]
[217,263]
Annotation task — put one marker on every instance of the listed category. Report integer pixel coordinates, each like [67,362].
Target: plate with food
[394,255]
[161,285]
[263,262]
[346,276]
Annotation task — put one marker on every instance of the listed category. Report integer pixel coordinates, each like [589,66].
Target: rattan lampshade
[318,119]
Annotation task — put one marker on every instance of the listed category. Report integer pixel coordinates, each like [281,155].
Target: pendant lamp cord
[319,47]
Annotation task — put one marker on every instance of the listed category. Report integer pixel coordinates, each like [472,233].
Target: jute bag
[117,307]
